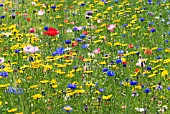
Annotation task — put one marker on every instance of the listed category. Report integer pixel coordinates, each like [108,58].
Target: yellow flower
[34,86]
[87,60]
[18,81]
[117,44]
[79,91]
[0,103]
[37,96]
[53,81]
[167,50]
[166,61]
[87,72]
[4,85]
[102,63]
[44,81]
[54,86]
[109,43]
[89,84]
[12,110]
[162,97]
[70,75]
[97,91]
[164,73]
[106,97]
[126,84]
[151,75]
[19,113]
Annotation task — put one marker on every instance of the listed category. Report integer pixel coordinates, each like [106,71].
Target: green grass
[56,98]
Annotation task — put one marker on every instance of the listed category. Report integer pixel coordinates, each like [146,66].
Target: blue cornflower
[59,51]
[159,49]
[2,17]
[147,90]
[123,35]
[83,4]
[168,88]
[149,68]
[46,28]
[17,51]
[110,73]
[1,5]
[125,25]
[4,74]
[133,82]
[120,52]
[142,19]
[84,46]
[150,2]
[78,39]
[166,41]
[75,29]
[150,23]
[82,36]
[102,90]
[105,69]
[72,86]
[67,41]
[118,61]
[158,57]
[53,7]
[2,67]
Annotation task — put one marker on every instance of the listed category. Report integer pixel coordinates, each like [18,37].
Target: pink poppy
[41,12]
[111,27]
[96,51]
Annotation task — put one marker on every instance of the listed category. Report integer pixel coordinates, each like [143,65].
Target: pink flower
[79,28]
[31,49]
[124,106]
[96,51]
[41,12]
[33,3]
[1,60]
[111,27]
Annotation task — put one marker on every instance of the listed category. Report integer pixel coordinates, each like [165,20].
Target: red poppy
[136,70]
[124,62]
[85,32]
[74,43]
[28,19]
[51,32]
[130,45]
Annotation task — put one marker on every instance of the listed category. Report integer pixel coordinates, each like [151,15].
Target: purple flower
[101,90]
[153,30]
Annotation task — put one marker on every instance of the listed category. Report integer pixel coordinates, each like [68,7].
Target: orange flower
[71,7]
[148,52]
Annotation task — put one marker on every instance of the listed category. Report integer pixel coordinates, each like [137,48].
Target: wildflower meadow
[84,56]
